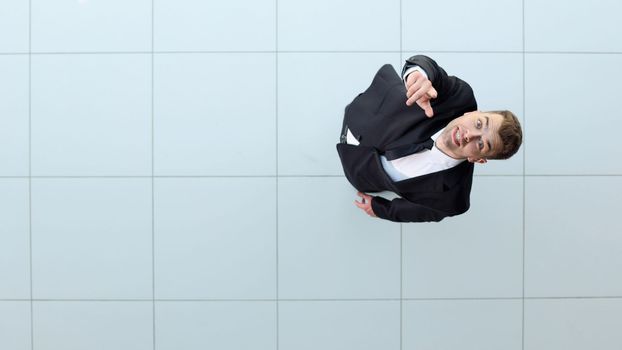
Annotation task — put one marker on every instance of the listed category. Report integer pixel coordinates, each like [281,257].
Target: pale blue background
[169,179]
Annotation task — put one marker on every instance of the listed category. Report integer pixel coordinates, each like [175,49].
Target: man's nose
[472,135]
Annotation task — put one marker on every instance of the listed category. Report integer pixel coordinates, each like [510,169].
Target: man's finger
[428,111]
[411,101]
[366,207]
[414,88]
[426,106]
[412,98]
[423,91]
[432,93]
[363,195]
[364,198]
[412,78]
[416,83]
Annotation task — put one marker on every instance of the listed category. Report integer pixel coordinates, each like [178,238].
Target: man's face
[473,136]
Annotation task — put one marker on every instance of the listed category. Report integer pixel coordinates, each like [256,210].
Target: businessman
[418,136]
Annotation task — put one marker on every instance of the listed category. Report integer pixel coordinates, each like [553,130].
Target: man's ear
[477,160]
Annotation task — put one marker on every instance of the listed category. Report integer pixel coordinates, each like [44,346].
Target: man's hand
[365,204]
[419,89]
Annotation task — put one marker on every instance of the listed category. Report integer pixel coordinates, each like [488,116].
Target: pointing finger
[426,106]
[411,101]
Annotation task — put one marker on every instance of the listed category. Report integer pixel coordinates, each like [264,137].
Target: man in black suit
[424,154]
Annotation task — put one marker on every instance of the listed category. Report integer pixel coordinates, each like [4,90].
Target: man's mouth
[456,137]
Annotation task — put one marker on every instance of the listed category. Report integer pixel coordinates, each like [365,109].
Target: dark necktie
[406,150]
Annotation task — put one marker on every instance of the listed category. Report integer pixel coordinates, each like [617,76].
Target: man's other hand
[365,204]
[419,90]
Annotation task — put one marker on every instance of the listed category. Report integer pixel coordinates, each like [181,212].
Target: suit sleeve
[437,75]
[402,210]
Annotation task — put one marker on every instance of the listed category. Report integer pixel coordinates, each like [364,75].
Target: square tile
[346,25]
[216,325]
[14,239]
[215,238]
[187,25]
[215,114]
[94,26]
[481,25]
[573,324]
[314,89]
[572,236]
[462,324]
[338,325]
[558,25]
[93,325]
[14,17]
[572,130]
[91,238]
[497,81]
[329,248]
[14,115]
[91,115]
[477,254]
[15,325]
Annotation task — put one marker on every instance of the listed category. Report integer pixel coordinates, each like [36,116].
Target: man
[423,153]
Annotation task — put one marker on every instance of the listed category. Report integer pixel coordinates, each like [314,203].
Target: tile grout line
[524,191]
[401,225]
[518,298]
[313,51]
[276,114]
[278,176]
[401,32]
[153,304]
[396,299]
[401,286]
[32,331]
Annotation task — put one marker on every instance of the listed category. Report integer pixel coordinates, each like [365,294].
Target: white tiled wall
[90,115]
[169,178]
[335,325]
[214,114]
[14,118]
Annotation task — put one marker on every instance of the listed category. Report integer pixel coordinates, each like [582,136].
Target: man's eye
[479,124]
[481,145]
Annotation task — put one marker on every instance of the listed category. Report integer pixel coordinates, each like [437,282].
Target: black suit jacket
[381,121]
